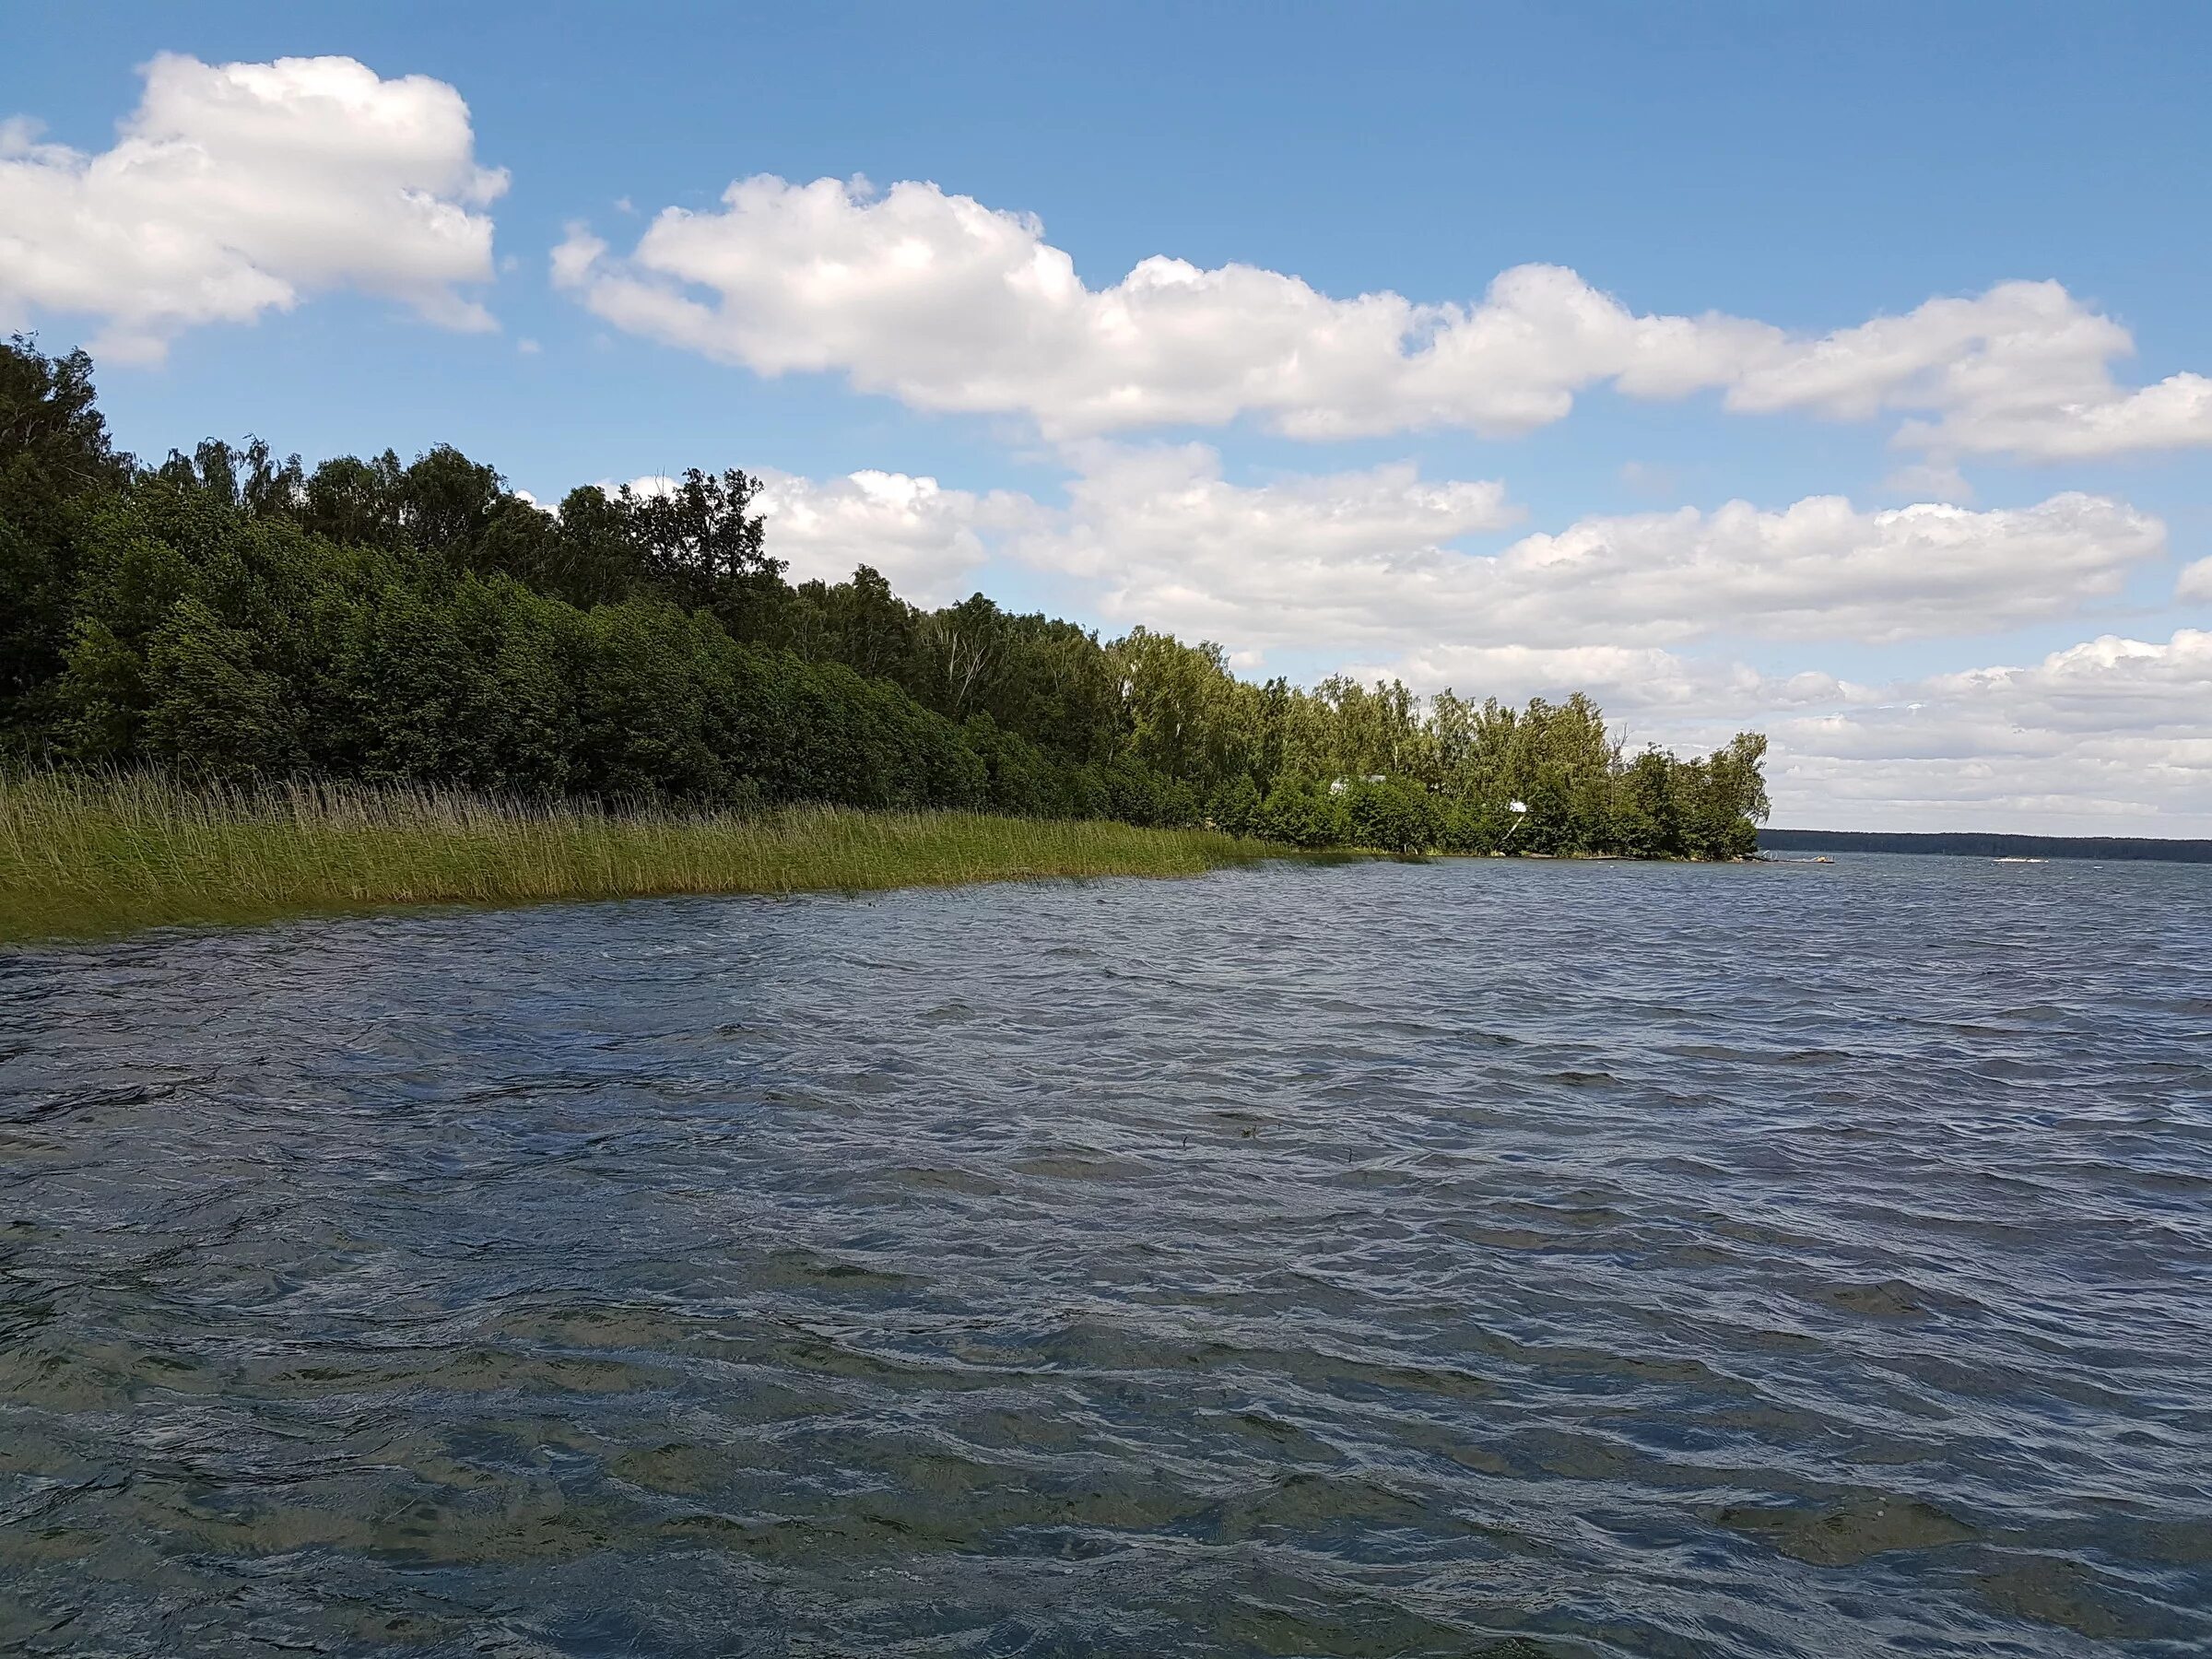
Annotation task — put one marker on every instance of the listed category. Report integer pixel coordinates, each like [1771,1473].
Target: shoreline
[93,857]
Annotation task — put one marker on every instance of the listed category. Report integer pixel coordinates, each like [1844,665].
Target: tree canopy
[232,614]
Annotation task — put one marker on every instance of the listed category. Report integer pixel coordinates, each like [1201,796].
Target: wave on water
[1516,1259]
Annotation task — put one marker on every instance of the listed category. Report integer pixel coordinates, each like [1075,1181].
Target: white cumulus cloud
[239,188]
[1641,683]
[1337,559]
[945,303]
[2112,736]
[1822,569]
[1359,562]
[1364,563]
[926,540]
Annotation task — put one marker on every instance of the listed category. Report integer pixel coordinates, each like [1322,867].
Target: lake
[1479,1257]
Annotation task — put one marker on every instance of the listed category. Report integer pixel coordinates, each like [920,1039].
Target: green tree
[1392,815]
[212,707]
[56,462]
[1299,812]
[231,612]
[1235,806]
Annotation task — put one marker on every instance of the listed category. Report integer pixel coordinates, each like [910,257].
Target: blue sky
[1804,169]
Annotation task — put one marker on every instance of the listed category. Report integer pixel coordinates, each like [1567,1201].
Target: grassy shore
[86,855]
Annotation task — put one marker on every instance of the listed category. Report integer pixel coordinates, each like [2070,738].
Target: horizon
[2190,840]
[1521,352]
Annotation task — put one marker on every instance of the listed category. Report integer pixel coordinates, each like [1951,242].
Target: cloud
[2024,369]
[236,189]
[2114,735]
[946,304]
[1358,562]
[1647,479]
[2195,583]
[2110,736]
[1930,480]
[1338,561]
[1362,564]
[1820,568]
[1647,680]
[2109,683]
[927,541]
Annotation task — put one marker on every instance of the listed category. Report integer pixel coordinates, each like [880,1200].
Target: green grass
[86,855]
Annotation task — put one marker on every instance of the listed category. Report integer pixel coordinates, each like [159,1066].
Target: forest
[229,615]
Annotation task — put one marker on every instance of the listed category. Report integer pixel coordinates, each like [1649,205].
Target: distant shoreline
[1974,844]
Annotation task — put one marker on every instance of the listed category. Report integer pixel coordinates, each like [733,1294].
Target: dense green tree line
[231,613]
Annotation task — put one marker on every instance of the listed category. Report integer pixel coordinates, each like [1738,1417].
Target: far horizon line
[2180,849]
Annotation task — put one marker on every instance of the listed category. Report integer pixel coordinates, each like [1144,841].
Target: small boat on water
[2016,860]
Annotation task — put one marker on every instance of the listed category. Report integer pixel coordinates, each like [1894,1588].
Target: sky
[1841,373]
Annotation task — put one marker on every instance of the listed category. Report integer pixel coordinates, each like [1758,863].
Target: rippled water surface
[1473,1258]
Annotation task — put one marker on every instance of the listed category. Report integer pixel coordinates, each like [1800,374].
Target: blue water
[1529,1259]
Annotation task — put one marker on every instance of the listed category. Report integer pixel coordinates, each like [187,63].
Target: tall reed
[96,853]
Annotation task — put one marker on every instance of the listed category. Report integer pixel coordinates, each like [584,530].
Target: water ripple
[1522,1260]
